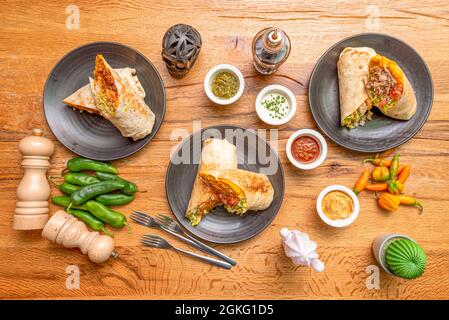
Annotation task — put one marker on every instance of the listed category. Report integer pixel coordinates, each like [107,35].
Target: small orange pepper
[377,186]
[404,174]
[389,201]
[362,182]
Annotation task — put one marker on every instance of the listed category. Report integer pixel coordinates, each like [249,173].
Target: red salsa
[305,149]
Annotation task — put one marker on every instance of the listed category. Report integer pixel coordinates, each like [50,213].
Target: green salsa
[225,85]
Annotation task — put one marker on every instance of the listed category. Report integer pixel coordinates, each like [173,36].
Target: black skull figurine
[180,48]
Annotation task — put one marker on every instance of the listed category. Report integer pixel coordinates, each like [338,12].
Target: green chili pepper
[64,201]
[88,192]
[130,187]
[114,199]
[79,164]
[113,218]
[80,179]
[68,188]
[394,166]
[92,221]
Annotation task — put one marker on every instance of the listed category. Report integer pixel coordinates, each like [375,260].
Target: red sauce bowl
[306,149]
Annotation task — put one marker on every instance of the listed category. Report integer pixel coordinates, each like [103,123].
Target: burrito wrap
[215,154]
[240,190]
[352,76]
[83,98]
[122,106]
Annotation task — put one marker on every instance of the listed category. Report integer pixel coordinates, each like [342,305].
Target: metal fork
[161,243]
[148,221]
[176,231]
[170,224]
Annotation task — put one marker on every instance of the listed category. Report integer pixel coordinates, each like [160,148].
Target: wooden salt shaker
[66,230]
[31,211]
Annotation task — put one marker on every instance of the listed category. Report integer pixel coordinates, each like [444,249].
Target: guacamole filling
[197,214]
[239,208]
[359,117]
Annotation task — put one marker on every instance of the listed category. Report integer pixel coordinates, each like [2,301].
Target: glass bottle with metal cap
[271,47]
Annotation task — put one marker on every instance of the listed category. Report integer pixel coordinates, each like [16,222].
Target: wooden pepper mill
[65,229]
[31,211]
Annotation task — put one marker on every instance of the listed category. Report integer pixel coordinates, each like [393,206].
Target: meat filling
[383,88]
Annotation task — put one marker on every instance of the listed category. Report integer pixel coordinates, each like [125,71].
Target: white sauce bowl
[339,223]
[321,141]
[260,109]
[210,76]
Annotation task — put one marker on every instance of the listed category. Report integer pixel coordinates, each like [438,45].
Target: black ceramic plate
[220,226]
[91,135]
[382,132]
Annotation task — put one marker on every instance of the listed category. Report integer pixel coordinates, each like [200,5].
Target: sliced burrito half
[352,68]
[216,154]
[240,190]
[83,98]
[120,104]
[389,89]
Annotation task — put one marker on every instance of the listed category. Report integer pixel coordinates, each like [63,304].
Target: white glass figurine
[298,246]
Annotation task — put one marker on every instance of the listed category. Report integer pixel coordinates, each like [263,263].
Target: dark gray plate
[381,133]
[90,135]
[220,226]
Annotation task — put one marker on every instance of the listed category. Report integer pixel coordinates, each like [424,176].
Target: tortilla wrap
[83,98]
[240,190]
[352,75]
[216,154]
[120,104]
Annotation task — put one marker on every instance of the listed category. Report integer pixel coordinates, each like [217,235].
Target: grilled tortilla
[83,98]
[352,68]
[118,103]
[216,154]
[240,190]
[389,89]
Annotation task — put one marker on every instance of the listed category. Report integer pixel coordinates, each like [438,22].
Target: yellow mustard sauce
[337,205]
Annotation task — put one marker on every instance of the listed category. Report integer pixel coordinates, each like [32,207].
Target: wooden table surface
[33,36]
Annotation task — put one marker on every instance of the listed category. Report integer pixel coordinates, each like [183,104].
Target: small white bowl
[321,141]
[275,88]
[340,223]
[210,76]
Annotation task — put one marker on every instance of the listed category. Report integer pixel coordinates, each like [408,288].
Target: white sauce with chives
[275,106]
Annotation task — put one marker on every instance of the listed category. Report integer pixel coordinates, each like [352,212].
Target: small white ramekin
[340,223]
[321,141]
[210,76]
[276,88]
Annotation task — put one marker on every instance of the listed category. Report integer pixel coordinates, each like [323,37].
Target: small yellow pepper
[381,173]
[395,187]
[391,202]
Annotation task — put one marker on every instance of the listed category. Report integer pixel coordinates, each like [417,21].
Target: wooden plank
[32,39]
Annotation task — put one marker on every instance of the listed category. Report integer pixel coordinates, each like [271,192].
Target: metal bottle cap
[275,37]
